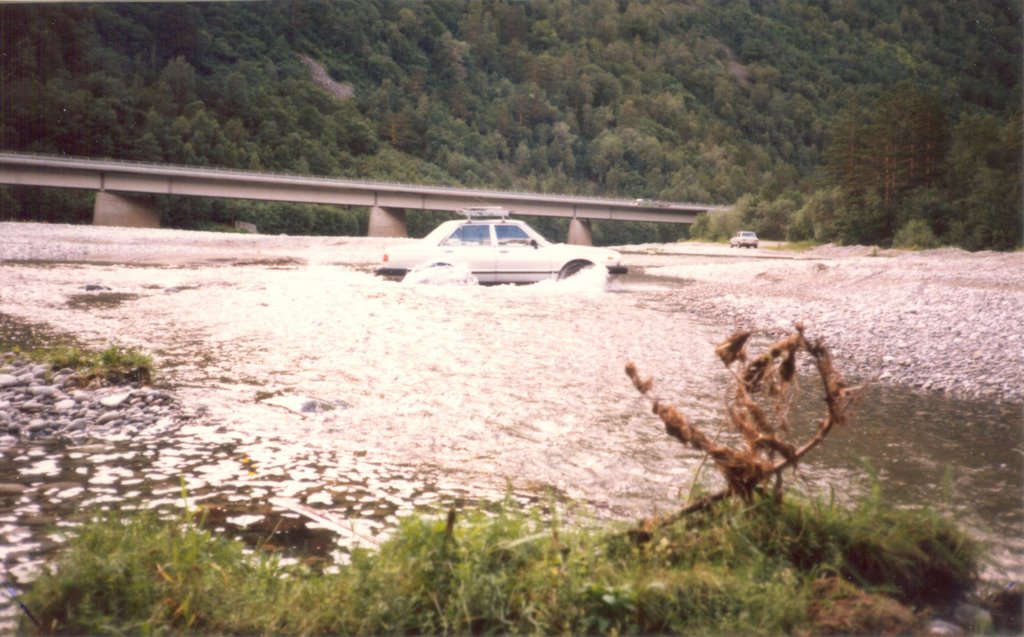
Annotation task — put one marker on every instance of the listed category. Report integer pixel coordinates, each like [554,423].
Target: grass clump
[762,566]
[145,575]
[113,365]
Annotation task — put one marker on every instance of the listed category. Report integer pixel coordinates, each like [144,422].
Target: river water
[433,395]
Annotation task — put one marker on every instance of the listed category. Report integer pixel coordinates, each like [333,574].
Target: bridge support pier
[580,233]
[387,222]
[125,211]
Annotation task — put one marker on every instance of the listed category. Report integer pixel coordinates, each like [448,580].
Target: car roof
[450,225]
[480,222]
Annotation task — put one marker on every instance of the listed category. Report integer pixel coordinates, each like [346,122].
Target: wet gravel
[944,321]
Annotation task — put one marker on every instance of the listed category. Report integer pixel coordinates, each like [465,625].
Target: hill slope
[836,120]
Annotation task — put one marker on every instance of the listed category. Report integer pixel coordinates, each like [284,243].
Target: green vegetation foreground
[766,566]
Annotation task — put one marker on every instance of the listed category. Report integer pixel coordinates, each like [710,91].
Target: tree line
[832,121]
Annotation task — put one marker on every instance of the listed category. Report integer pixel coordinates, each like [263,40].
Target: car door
[471,245]
[518,258]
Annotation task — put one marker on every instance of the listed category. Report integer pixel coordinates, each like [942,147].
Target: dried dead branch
[758,410]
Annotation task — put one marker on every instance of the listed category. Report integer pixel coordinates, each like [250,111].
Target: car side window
[509,235]
[469,235]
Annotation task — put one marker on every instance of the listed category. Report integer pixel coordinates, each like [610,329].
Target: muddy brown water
[429,396]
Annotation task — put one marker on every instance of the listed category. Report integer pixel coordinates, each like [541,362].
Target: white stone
[45,391]
[114,400]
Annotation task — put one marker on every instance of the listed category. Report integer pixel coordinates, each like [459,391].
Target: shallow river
[431,395]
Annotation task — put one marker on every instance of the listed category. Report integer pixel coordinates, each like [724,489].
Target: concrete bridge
[125,194]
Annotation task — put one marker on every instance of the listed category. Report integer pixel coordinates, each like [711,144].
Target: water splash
[437,273]
[588,280]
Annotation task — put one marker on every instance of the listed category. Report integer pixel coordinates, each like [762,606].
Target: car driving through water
[497,250]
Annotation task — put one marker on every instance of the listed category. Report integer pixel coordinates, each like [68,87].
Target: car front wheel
[572,268]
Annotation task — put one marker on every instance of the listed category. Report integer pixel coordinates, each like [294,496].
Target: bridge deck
[128,177]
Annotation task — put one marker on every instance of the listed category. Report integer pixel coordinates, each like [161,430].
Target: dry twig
[763,453]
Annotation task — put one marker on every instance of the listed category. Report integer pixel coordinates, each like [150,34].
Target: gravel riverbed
[942,320]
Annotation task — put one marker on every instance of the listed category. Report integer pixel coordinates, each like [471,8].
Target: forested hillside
[835,120]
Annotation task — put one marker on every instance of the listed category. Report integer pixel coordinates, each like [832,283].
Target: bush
[769,218]
[717,226]
[915,235]
[818,218]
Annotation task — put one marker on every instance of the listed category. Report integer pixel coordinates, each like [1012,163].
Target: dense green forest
[854,121]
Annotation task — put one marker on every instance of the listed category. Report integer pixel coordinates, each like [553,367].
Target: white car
[743,239]
[497,251]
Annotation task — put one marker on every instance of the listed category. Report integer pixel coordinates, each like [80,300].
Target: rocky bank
[944,321]
[37,402]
